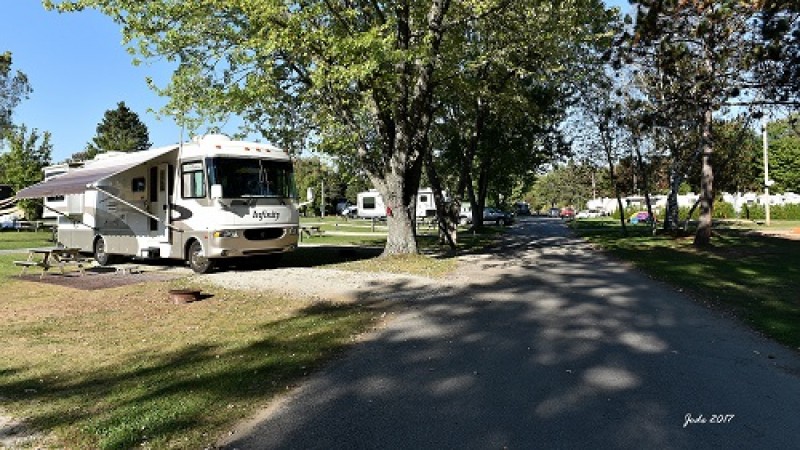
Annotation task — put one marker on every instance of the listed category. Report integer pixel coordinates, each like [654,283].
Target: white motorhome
[370,204]
[203,201]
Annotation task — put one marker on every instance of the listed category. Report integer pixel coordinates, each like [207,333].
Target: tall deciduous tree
[14,87]
[784,154]
[360,74]
[24,161]
[704,45]
[360,79]
[501,106]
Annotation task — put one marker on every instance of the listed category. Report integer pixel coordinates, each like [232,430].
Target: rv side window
[369,202]
[423,199]
[138,184]
[192,180]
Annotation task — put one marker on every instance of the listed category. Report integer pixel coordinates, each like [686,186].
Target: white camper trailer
[426,204]
[203,201]
[59,205]
[370,204]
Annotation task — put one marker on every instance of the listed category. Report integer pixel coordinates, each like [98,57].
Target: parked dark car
[497,216]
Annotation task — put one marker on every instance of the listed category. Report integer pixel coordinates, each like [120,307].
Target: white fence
[738,200]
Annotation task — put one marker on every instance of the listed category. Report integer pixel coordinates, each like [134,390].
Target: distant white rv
[370,204]
[203,201]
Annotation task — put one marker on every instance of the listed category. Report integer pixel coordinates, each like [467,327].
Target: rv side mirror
[216,191]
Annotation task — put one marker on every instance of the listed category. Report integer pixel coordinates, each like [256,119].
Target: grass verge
[25,239]
[125,367]
[7,267]
[752,276]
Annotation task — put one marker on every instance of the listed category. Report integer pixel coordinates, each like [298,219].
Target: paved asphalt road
[546,344]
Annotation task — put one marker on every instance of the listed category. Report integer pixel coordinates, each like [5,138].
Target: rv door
[161,206]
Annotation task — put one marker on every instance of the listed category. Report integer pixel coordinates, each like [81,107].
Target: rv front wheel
[100,254]
[197,261]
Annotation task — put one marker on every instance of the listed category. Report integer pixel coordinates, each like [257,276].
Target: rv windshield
[247,177]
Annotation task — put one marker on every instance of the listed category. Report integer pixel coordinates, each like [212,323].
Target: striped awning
[76,181]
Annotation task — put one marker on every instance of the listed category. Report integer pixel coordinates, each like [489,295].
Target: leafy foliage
[362,80]
[14,87]
[24,162]
[784,154]
[778,53]
[706,51]
[340,183]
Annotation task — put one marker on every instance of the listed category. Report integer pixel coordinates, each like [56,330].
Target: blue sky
[78,69]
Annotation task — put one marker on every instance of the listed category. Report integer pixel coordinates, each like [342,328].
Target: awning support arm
[136,208]
[71,219]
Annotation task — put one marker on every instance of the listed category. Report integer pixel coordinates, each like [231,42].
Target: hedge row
[724,210]
[777,212]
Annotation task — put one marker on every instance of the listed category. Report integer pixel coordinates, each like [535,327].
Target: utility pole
[767,181]
[322,199]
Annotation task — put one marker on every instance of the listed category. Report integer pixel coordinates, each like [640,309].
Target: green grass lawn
[125,367]
[25,239]
[7,267]
[752,276]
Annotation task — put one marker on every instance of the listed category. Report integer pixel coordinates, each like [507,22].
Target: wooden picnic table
[311,230]
[52,257]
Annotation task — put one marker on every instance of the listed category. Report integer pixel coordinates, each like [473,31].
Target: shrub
[723,210]
[777,212]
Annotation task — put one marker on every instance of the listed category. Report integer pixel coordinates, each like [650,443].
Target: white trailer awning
[78,180]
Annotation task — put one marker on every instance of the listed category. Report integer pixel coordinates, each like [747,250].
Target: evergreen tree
[120,130]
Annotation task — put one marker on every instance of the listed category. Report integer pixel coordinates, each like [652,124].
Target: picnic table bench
[312,230]
[47,258]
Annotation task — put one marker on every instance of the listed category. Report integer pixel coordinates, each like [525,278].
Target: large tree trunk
[400,215]
[703,236]
[447,223]
[645,174]
[465,189]
[671,217]
[483,189]
[613,177]
[677,169]
[403,123]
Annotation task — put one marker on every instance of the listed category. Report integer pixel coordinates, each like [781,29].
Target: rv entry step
[151,253]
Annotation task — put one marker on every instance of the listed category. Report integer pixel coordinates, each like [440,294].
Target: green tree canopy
[14,87]
[784,154]
[23,163]
[360,79]
[707,50]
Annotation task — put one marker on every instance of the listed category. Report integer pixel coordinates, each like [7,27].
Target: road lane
[544,343]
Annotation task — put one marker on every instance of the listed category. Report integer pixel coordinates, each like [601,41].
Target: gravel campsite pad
[95,280]
[328,284]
